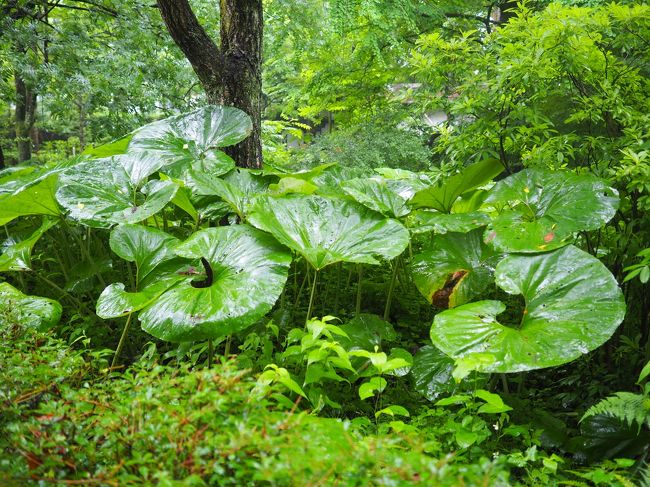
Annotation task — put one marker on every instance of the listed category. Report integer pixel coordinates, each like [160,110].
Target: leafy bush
[368,146]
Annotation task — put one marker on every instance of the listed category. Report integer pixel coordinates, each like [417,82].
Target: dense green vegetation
[439,276]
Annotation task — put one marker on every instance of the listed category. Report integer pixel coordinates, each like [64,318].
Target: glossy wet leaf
[290,184]
[304,174]
[118,146]
[543,210]
[32,311]
[249,272]
[16,250]
[115,301]
[99,193]
[423,221]
[28,195]
[442,195]
[367,331]
[573,305]
[431,373]
[453,268]
[237,188]
[325,231]
[157,268]
[192,140]
[329,181]
[385,196]
[139,166]
[145,246]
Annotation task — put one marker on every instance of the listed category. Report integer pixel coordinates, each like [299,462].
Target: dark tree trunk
[25,118]
[241,49]
[230,75]
[2,158]
[202,53]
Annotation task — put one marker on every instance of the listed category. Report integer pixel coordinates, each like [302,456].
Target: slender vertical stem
[391,288]
[226,351]
[338,288]
[79,304]
[504,383]
[120,345]
[358,307]
[210,353]
[311,297]
[85,253]
[299,293]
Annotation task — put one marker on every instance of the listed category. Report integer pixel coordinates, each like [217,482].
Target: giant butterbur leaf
[100,193]
[386,196]
[454,268]
[147,247]
[236,188]
[432,374]
[325,231]
[441,196]
[248,271]
[192,140]
[157,269]
[423,221]
[32,311]
[28,192]
[16,251]
[543,210]
[573,305]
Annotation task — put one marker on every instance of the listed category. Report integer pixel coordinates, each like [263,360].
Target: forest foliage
[440,274]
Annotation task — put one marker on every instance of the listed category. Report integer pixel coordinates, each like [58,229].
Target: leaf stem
[358,306]
[311,296]
[120,344]
[391,288]
[210,353]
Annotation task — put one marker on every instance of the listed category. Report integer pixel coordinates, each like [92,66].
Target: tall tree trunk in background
[25,118]
[232,74]
[241,48]
[2,158]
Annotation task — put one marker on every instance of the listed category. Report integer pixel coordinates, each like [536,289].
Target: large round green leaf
[249,272]
[99,193]
[157,269]
[423,221]
[573,305]
[32,311]
[237,188]
[442,195]
[16,251]
[192,140]
[386,196]
[543,210]
[432,374]
[325,231]
[28,191]
[147,247]
[454,268]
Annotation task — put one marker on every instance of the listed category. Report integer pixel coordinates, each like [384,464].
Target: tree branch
[202,53]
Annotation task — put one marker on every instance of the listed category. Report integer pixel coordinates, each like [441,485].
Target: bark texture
[25,118]
[241,49]
[230,74]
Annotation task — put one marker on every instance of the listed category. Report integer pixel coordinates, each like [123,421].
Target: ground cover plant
[207,250]
[428,266]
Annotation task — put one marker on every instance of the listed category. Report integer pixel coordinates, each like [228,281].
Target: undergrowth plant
[166,232]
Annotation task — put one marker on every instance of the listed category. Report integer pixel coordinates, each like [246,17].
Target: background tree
[231,73]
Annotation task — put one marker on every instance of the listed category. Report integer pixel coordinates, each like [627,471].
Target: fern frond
[632,409]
